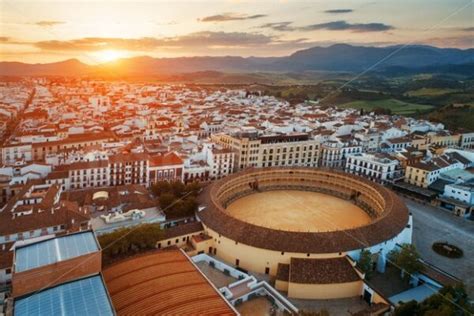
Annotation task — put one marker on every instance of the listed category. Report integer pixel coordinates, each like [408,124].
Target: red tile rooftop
[163,282]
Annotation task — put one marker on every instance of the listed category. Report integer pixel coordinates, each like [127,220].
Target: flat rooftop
[163,282]
[303,211]
[86,296]
[54,250]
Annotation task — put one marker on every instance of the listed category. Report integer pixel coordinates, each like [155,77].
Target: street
[431,224]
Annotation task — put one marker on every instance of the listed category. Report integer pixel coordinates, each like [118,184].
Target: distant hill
[339,57]
[68,67]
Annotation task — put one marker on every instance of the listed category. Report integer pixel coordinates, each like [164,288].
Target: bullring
[240,237]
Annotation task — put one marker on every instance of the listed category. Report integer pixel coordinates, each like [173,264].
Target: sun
[108,55]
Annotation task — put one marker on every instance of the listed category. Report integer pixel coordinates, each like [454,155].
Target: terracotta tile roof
[322,271]
[165,160]
[129,196]
[162,282]
[81,165]
[6,256]
[184,229]
[128,157]
[388,225]
[68,214]
[283,272]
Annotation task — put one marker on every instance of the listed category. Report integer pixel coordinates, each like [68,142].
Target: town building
[334,153]
[293,149]
[380,168]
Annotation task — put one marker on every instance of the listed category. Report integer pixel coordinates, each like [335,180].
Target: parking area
[431,224]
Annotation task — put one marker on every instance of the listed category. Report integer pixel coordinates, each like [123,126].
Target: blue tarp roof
[86,296]
[54,250]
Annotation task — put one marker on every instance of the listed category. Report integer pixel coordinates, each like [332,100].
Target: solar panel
[82,297]
[54,250]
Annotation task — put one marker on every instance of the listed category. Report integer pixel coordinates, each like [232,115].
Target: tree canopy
[407,259]
[176,198]
[365,263]
[124,242]
[449,301]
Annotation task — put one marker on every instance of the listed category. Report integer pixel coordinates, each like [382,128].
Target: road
[431,224]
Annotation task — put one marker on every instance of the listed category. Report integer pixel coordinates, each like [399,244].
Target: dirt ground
[298,211]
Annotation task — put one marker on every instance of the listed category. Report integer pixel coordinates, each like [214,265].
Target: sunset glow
[103,31]
[105,56]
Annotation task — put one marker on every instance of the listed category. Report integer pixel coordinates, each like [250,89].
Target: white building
[220,160]
[376,167]
[334,153]
[467,141]
[14,152]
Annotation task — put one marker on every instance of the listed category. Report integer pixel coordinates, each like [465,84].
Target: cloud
[224,17]
[48,23]
[338,11]
[198,39]
[331,26]
[278,26]
[4,39]
[344,26]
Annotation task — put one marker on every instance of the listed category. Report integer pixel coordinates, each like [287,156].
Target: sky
[39,31]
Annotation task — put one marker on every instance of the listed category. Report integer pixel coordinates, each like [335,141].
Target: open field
[396,106]
[427,92]
[298,211]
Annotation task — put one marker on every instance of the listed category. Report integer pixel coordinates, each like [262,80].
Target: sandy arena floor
[298,211]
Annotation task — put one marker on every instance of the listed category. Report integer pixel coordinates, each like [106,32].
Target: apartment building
[380,168]
[467,141]
[334,153]
[79,175]
[444,139]
[424,173]
[394,144]
[245,145]
[219,159]
[165,167]
[14,152]
[129,169]
[251,150]
[72,142]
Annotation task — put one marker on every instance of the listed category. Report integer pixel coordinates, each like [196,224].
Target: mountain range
[339,57]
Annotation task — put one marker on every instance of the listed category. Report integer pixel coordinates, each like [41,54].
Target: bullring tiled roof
[322,271]
[388,225]
[162,282]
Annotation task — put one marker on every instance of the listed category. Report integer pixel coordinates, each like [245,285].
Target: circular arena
[266,220]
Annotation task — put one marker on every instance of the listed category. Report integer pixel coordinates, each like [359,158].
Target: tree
[365,263]
[177,199]
[407,309]
[450,300]
[161,187]
[128,241]
[167,200]
[407,259]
